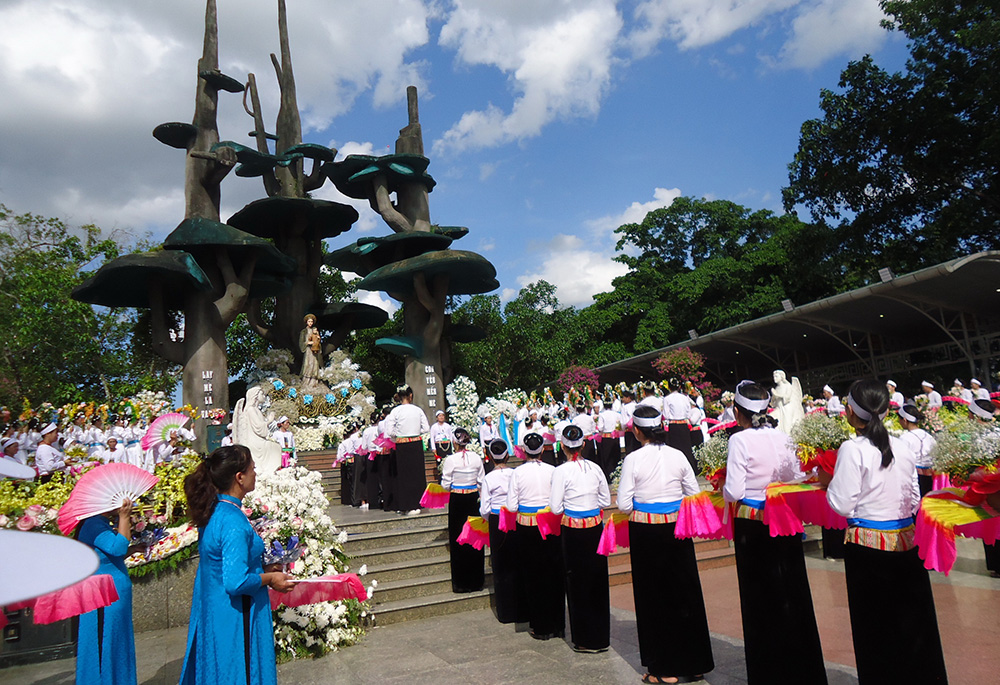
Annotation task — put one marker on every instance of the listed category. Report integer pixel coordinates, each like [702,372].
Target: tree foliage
[908,161]
[56,349]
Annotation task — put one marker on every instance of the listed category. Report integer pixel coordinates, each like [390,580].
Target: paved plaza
[472,647]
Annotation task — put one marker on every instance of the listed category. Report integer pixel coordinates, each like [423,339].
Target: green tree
[54,348]
[705,265]
[908,162]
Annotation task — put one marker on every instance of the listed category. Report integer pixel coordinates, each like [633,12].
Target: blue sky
[548,122]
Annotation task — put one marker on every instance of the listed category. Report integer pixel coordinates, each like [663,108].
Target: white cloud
[556,55]
[487,245]
[508,294]
[635,212]
[830,28]
[486,170]
[377,299]
[578,273]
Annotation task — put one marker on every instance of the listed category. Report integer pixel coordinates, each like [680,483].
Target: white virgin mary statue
[786,398]
[250,428]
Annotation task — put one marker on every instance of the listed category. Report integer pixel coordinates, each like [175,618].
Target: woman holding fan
[461,474]
[230,634]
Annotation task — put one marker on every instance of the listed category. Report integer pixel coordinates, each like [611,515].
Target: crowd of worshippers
[44,446]
[563,469]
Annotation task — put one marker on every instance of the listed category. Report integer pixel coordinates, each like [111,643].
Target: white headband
[572,444]
[929,385]
[827,388]
[861,412]
[904,414]
[647,422]
[282,420]
[958,382]
[8,442]
[892,383]
[980,412]
[752,406]
[48,429]
[976,381]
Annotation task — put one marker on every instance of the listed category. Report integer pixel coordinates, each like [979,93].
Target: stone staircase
[408,555]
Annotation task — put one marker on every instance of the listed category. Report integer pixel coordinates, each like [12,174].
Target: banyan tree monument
[265,260]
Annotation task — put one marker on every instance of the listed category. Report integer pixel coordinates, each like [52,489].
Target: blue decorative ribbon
[753,503]
[657,507]
[898,524]
[581,514]
[525,509]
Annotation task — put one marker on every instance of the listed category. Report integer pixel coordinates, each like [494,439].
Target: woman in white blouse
[579,492]
[874,485]
[780,638]
[405,426]
[674,642]
[461,474]
[507,605]
[921,442]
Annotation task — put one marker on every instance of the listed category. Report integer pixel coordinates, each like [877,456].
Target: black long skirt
[893,619]
[388,480]
[373,480]
[541,579]
[346,483]
[609,454]
[833,543]
[360,492]
[589,451]
[669,606]
[508,605]
[780,638]
[679,437]
[587,591]
[411,476]
[631,443]
[467,562]
[697,437]
[992,557]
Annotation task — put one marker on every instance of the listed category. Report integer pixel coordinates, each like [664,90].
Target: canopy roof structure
[469,273]
[270,216]
[940,321]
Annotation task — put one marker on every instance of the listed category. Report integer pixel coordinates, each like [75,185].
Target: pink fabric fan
[322,589]
[89,594]
[434,497]
[607,544]
[103,489]
[508,520]
[159,430]
[549,523]
[475,532]
[698,518]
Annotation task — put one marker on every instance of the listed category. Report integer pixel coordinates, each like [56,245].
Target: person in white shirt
[113,453]
[895,397]
[552,455]
[963,393]
[650,398]
[609,451]
[405,425]
[441,436]
[12,450]
[834,407]
[76,433]
[461,474]
[978,391]
[48,459]
[493,489]
[676,415]
[627,409]
[780,638]
[227,439]
[540,578]
[874,485]
[169,449]
[920,443]
[95,438]
[284,437]
[487,432]
[586,422]
[934,401]
[579,492]
[665,581]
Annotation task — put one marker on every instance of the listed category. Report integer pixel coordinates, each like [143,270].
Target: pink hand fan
[103,489]
[159,430]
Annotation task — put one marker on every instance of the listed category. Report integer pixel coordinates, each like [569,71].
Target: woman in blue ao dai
[105,640]
[230,634]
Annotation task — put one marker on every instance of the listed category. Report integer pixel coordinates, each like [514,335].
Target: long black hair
[752,391]
[214,474]
[873,397]
[655,434]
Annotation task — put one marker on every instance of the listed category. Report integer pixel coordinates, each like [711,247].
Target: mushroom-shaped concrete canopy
[469,273]
[220,81]
[368,254]
[128,280]
[314,151]
[465,333]
[353,175]
[271,216]
[453,232]
[176,134]
[403,346]
[201,237]
[357,315]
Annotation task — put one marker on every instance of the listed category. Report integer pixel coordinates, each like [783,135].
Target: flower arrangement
[463,401]
[817,438]
[712,456]
[292,500]
[685,365]
[965,448]
[578,377]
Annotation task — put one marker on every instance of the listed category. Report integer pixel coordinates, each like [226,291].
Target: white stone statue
[786,398]
[250,428]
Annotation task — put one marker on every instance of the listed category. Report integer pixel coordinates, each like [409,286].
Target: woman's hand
[823,477]
[276,580]
[271,568]
[125,520]
[125,510]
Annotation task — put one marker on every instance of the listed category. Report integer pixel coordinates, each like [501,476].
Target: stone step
[361,523]
[359,544]
[431,605]
[392,554]
[408,569]
[437,584]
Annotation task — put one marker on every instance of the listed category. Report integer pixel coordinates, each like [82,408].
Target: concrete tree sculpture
[207,269]
[415,265]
